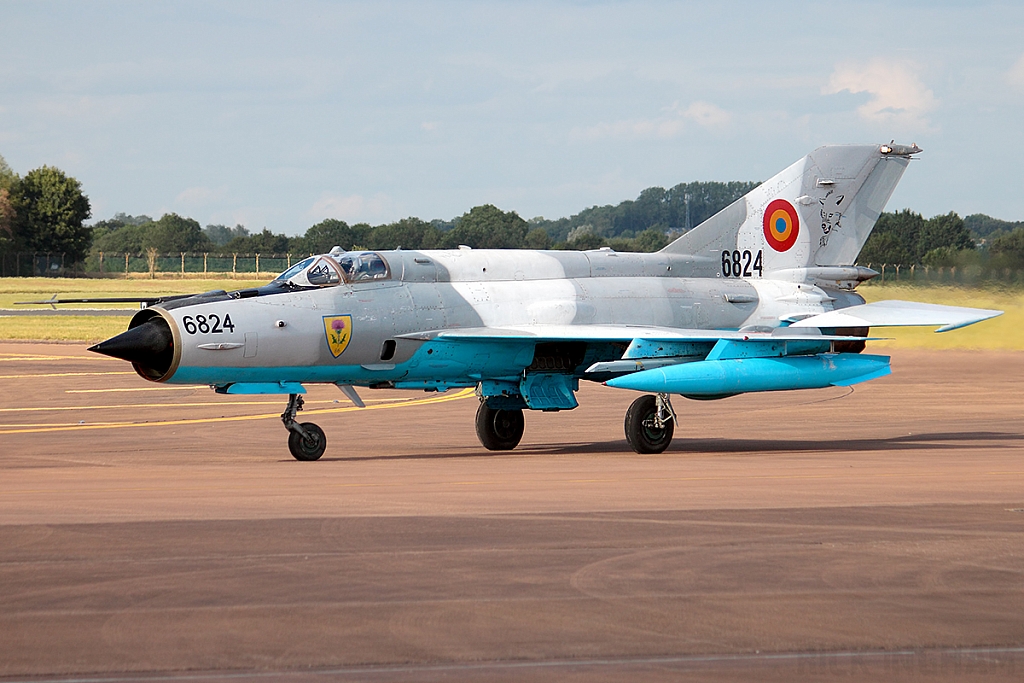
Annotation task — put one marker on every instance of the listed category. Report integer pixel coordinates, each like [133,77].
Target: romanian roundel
[781,225]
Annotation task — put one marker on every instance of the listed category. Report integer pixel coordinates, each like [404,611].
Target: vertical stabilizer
[817,212]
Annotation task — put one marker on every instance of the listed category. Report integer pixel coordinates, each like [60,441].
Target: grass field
[999,333]
[996,334]
[88,328]
[36,288]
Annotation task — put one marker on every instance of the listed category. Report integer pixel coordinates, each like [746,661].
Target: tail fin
[817,212]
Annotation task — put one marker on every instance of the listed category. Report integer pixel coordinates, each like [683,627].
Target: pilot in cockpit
[324,271]
[362,266]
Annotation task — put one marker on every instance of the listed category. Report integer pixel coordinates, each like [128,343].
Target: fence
[25,264]
[944,275]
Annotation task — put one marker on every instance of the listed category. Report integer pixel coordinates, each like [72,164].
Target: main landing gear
[650,422]
[499,430]
[306,441]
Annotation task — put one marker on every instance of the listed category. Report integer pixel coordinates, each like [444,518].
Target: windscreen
[315,271]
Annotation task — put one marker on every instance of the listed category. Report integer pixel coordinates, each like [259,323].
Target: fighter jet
[759,297]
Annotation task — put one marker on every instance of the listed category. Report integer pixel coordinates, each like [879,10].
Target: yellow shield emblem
[339,332]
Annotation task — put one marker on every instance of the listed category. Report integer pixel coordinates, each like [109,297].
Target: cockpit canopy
[333,269]
[363,265]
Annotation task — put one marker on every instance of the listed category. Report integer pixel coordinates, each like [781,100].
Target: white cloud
[708,115]
[1016,74]
[670,125]
[353,208]
[551,77]
[897,94]
[200,196]
[429,125]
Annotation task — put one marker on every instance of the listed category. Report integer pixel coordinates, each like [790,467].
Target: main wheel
[499,430]
[309,447]
[641,433]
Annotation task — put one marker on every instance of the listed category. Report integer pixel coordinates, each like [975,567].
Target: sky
[282,114]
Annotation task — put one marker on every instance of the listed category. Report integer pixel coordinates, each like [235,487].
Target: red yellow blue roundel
[781,225]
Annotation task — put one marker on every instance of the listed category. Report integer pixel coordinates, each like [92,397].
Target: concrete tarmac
[165,533]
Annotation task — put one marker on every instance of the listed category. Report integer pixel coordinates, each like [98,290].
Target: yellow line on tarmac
[190,387]
[175,405]
[442,398]
[184,387]
[145,405]
[25,358]
[66,374]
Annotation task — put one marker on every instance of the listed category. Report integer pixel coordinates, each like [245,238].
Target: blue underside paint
[262,388]
[437,364]
[736,376]
[440,365]
[543,391]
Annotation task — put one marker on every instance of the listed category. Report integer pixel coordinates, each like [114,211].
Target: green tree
[488,227]
[126,238]
[122,233]
[651,240]
[8,179]
[408,233]
[895,239]
[946,230]
[173,234]
[680,208]
[884,248]
[586,240]
[266,242]
[50,213]
[7,216]
[903,238]
[538,238]
[943,257]
[7,176]
[324,236]
[982,226]
[1007,250]
[222,234]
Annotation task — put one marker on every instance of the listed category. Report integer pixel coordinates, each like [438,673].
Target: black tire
[309,447]
[642,435]
[499,430]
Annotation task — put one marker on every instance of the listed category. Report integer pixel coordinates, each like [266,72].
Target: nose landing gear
[306,441]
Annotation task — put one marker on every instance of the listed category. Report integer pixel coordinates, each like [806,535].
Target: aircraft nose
[149,346]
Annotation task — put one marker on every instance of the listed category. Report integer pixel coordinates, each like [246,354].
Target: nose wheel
[306,441]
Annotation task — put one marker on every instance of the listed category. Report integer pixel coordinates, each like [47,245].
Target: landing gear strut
[499,430]
[306,441]
[650,422]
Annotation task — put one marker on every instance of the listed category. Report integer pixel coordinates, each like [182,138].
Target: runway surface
[165,533]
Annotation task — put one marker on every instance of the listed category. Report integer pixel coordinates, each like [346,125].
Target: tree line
[46,210]
[43,212]
[906,238]
[644,224]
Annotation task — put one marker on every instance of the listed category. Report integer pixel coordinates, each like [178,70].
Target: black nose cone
[149,346]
